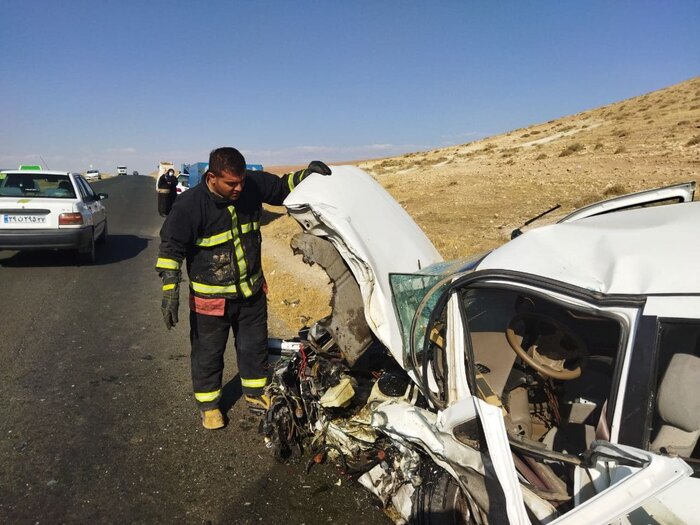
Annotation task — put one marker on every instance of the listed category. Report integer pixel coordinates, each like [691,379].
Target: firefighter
[215,228]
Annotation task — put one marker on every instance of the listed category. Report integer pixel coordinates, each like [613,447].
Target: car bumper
[68,239]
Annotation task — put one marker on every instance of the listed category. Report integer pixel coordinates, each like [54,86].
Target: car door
[98,208]
[90,202]
[673,194]
[631,484]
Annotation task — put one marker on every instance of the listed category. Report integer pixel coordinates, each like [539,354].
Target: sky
[100,83]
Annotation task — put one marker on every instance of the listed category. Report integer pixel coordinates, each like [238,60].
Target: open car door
[674,194]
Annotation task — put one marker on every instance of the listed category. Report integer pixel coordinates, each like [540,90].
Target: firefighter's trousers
[209,335]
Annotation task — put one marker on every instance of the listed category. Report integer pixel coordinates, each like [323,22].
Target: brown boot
[258,404]
[212,419]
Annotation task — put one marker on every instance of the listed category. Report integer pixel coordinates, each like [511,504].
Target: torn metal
[497,396]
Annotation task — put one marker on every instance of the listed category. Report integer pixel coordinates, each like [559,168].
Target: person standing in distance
[167,191]
[215,228]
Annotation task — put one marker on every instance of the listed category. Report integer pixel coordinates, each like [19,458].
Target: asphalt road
[98,423]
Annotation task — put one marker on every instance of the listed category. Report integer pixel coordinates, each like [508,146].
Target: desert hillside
[468,198]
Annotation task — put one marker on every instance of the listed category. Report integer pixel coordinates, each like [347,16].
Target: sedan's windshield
[36,185]
[184,180]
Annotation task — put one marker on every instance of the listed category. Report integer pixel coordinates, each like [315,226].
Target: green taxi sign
[30,167]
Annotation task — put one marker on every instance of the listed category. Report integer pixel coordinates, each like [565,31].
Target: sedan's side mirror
[102,196]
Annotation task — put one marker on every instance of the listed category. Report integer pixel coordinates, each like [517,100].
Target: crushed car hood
[373,234]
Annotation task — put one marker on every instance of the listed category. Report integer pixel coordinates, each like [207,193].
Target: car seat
[678,406]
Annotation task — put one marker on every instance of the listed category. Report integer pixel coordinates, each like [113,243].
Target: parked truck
[196,171]
[163,167]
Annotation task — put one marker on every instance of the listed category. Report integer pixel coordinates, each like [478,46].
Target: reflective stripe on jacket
[219,239]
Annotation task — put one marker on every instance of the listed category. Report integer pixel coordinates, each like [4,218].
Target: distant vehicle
[50,210]
[196,171]
[183,183]
[121,170]
[135,173]
[163,167]
[93,175]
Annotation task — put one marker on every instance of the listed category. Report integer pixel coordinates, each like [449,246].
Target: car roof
[644,251]
[45,172]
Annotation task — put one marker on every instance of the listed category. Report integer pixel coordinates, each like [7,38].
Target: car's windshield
[184,180]
[36,185]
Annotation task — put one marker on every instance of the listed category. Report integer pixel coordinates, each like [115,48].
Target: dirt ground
[468,198]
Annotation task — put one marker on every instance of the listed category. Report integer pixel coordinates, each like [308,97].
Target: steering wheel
[570,345]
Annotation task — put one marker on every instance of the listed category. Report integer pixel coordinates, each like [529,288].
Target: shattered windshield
[409,290]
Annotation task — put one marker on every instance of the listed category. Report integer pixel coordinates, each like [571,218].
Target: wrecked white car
[553,380]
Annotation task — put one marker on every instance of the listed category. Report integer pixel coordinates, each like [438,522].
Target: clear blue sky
[109,82]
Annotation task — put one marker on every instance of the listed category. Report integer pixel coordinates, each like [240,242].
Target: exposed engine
[322,409]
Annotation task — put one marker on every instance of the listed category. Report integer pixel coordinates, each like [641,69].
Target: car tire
[89,254]
[439,499]
[103,238]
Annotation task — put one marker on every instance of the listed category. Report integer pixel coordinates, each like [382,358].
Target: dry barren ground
[468,198]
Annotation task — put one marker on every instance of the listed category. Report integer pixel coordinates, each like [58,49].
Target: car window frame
[88,193]
[645,370]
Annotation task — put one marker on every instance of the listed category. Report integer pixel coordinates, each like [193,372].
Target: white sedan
[183,183]
[50,210]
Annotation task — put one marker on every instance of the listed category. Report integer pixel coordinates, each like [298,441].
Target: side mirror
[102,196]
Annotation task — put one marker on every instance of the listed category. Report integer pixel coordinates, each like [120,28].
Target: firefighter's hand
[316,166]
[171,298]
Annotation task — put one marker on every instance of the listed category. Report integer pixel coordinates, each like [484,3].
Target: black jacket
[220,239]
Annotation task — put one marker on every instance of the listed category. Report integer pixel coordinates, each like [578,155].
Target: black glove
[171,297]
[316,166]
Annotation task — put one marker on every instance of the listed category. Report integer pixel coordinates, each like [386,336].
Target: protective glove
[316,166]
[171,297]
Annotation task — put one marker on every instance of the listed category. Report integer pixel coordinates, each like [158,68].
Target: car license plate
[23,219]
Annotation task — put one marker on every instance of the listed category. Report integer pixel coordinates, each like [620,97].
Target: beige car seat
[679,406]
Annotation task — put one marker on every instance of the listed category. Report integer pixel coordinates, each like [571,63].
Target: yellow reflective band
[211,289]
[240,255]
[215,289]
[206,397]
[168,264]
[214,240]
[290,181]
[167,287]
[250,226]
[254,383]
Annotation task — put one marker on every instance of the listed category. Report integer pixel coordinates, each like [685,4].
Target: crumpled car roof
[644,251]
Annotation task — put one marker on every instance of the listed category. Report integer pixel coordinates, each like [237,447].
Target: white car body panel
[371,231]
[683,192]
[623,489]
[687,307]
[56,207]
[610,253]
